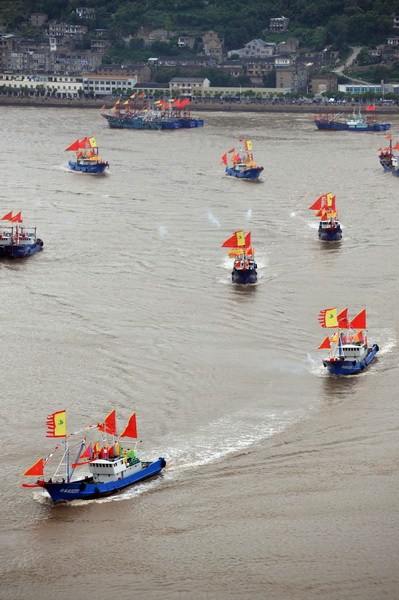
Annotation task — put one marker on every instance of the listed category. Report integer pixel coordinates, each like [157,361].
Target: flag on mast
[328,317]
[109,424]
[36,469]
[131,428]
[56,424]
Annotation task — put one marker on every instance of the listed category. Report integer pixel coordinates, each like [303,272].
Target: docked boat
[88,159]
[355,122]
[389,157]
[17,240]
[162,114]
[329,227]
[244,266]
[242,164]
[110,466]
[349,350]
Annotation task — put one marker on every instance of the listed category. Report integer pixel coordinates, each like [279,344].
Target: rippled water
[280,480]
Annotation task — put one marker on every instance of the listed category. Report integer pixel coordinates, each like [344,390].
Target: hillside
[316,22]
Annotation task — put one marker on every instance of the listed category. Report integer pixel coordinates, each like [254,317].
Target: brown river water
[281,481]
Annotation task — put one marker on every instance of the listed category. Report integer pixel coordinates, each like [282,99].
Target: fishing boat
[329,226]
[244,266]
[389,157]
[109,466]
[162,114]
[88,159]
[242,162]
[349,350]
[355,122]
[17,240]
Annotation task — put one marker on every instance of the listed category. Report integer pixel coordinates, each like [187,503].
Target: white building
[105,85]
[61,86]
[255,49]
[187,86]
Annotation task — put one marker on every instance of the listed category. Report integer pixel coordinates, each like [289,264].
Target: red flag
[103,107]
[236,158]
[7,217]
[240,140]
[185,102]
[396,147]
[358,337]
[343,319]
[325,344]
[177,104]
[142,95]
[359,322]
[87,452]
[237,240]
[317,204]
[36,469]
[388,137]
[109,425]
[232,150]
[248,239]
[16,218]
[131,428]
[74,146]
[84,144]
[224,159]
[371,107]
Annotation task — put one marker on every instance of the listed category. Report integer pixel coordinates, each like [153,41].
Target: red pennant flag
[109,425]
[237,240]
[87,452]
[224,159]
[36,469]
[17,218]
[240,140]
[359,322]
[396,147]
[342,319]
[103,107]
[371,107]
[7,217]
[84,144]
[388,137]
[142,95]
[248,239]
[74,146]
[131,428]
[325,344]
[317,204]
[232,150]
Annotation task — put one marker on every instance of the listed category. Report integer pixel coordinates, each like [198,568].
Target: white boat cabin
[17,236]
[104,470]
[354,351]
[329,224]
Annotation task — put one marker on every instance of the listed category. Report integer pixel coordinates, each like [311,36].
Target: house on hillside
[38,19]
[279,24]
[213,45]
[255,49]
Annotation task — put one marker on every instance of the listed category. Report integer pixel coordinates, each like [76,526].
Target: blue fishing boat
[356,122]
[162,114]
[110,467]
[244,266]
[17,240]
[350,351]
[243,165]
[329,226]
[389,158]
[88,159]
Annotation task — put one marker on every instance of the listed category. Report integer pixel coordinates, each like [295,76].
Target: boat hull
[351,367]
[389,169]
[94,169]
[244,276]
[252,173]
[152,124]
[330,235]
[87,490]
[21,251]
[336,126]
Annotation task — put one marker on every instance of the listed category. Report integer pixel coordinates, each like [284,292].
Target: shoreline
[215,106]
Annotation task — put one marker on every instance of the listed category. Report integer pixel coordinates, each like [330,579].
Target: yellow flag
[92,142]
[331,319]
[240,238]
[249,145]
[334,338]
[56,424]
[329,198]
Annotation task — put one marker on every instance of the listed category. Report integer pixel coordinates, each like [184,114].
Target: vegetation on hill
[316,22]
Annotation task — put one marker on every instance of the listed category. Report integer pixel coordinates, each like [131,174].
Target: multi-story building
[61,87]
[38,19]
[279,24]
[58,30]
[395,20]
[213,45]
[255,49]
[85,13]
[186,86]
[106,85]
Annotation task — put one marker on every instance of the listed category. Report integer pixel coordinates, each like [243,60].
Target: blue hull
[156,124]
[248,174]
[94,169]
[186,123]
[351,367]
[86,490]
[331,235]
[244,277]
[335,126]
[389,169]
[21,251]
